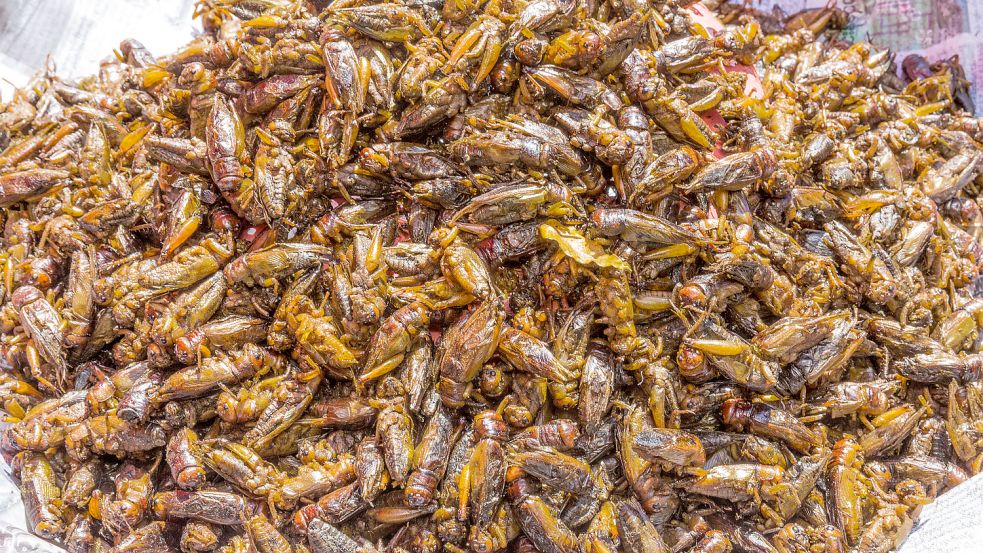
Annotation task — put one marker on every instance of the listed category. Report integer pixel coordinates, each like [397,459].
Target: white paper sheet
[953,524]
[78,34]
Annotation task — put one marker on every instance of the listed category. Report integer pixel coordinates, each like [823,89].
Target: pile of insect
[554,276]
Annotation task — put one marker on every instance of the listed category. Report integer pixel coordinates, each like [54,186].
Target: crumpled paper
[79,33]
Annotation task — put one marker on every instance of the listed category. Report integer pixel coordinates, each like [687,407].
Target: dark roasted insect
[543,276]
